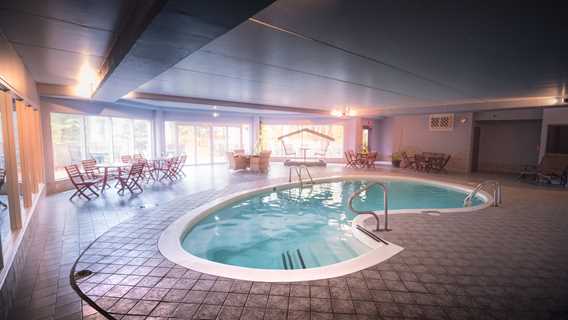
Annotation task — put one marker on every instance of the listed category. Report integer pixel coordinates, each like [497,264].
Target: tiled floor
[500,263]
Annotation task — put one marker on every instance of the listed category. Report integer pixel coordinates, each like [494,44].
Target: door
[365,138]
[475,150]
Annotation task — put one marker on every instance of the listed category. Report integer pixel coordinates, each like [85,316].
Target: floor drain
[82,274]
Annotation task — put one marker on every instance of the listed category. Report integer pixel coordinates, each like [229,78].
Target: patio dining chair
[407,161]
[351,160]
[438,164]
[131,181]
[91,169]
[371,158]
[169,169]
[126,158]
[420,163]
[137,156]
[82,185]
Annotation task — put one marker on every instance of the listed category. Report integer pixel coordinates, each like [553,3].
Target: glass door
[186,142]
[204,151]
[219,144]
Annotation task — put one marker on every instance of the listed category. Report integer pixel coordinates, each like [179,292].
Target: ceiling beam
[223,103]
[160,33]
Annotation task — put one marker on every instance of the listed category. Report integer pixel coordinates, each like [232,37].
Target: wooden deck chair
[168,169]
[131,180]
[407,161]
[351,161]
[126,158]
[371,158]
[82,185]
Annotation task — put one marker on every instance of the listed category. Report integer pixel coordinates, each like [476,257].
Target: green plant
[396,156]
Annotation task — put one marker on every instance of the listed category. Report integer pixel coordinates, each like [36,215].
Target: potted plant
[396,158]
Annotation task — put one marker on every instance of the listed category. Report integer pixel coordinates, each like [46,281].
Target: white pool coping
[170,242]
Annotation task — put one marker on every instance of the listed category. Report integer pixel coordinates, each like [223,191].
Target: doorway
[366,133]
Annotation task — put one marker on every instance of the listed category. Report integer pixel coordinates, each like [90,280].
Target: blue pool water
[309,227]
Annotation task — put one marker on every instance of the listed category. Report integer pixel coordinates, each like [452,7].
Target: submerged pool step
[293,259]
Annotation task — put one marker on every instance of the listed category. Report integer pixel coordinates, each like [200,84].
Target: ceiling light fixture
[346,112]
[215,114]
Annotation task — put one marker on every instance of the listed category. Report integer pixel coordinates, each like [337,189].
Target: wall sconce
[346,112]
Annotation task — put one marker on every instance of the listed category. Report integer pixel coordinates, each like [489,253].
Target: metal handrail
[385,197]
[299,174]
[496,193]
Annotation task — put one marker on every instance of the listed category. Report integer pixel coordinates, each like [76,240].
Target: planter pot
[396,163]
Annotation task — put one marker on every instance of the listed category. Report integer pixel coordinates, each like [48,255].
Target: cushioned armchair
[237,161]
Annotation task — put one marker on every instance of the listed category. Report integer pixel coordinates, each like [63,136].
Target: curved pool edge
[170,240]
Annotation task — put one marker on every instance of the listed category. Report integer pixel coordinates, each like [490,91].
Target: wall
[508,146]
[551,116]
[14,75]
[411,133]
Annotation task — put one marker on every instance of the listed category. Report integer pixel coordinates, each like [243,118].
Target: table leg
[105,179]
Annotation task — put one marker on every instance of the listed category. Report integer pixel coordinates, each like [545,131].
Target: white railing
[299,170]
[385,201]
[467,202]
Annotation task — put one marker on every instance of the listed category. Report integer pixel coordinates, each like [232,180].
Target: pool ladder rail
[467,202]
[288,262]
[299,169]
[375,214]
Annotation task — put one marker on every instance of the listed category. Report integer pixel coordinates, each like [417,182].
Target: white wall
[412,133]
[551,116]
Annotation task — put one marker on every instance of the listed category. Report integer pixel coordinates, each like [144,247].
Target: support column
[6,107]
[159,133]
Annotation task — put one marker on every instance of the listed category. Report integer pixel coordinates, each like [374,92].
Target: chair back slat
[126,159]
[74,174]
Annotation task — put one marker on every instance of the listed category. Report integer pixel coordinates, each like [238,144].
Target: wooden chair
[91,169]
[350,159]
[239,151]
[407,161]
[81,184]
[2,181]
[126,158]
[288,149]
[168,169]
[371,158]
[178,169]
[438,164]
[131,180]
[138,156]
[420,163]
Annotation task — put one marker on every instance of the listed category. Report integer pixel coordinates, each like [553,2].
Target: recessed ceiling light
[215,114]
[214,107]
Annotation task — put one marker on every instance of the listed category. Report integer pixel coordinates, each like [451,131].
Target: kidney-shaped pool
[293,233]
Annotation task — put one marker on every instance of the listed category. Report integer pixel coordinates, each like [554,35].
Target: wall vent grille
[441,122]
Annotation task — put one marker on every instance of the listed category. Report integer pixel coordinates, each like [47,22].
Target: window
[67,132]
[79,137]
[270,134]
[205,144]
[98,134]
[557,139]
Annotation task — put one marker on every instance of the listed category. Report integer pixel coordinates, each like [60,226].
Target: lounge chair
[552,166]
[438,164]
[237,161]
